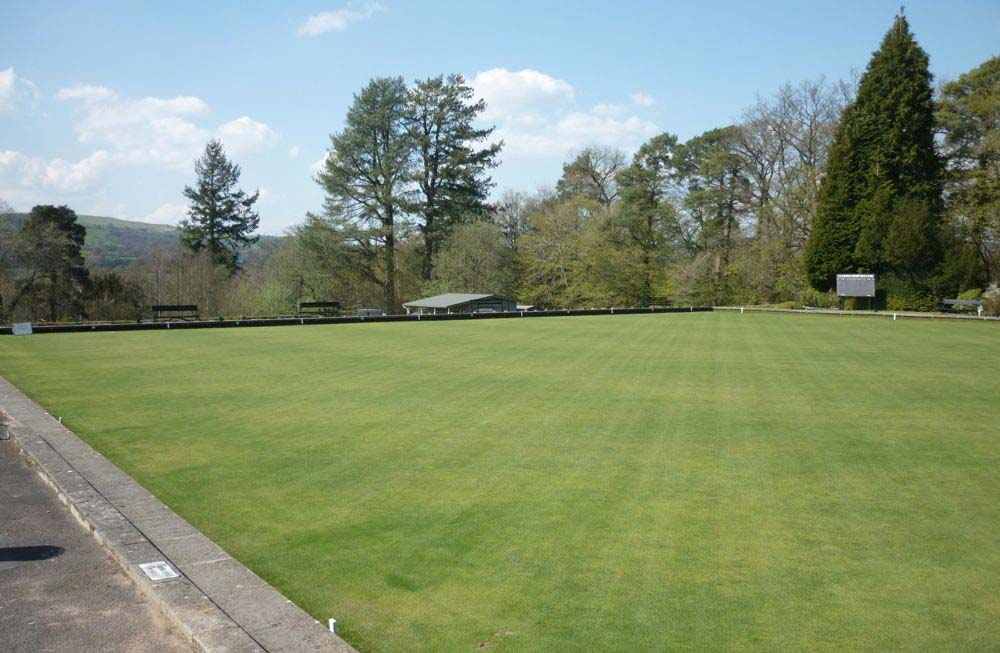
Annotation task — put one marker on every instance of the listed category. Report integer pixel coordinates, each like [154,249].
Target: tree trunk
[427,265]
[391,300]
[52,299]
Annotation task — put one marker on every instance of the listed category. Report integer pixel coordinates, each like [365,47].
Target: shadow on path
[28,553]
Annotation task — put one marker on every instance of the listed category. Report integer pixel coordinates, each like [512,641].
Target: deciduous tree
[49,259]
[593,173]
[475,258]
[969,115]
[717,188]
[643,227]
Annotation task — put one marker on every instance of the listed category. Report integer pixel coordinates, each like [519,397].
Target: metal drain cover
[158,570]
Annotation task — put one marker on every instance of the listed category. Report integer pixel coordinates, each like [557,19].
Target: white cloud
[245,135]
[606,109]
[157,131]
[588,128]
[340,19]
[16,91]
[123,132]
[643,99]
[167,214]
[575,131]
[317,166]
[534,115]
[56,175]
[294,151]
[86,93]
[507,92]
[146,130]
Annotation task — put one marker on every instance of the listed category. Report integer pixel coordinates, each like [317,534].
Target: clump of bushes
[813,297]
[991,301]
[902,295]
[794,305]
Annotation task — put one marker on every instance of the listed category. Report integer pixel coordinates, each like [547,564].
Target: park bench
[175,312]
[658,302]
[328,309]
[961,304]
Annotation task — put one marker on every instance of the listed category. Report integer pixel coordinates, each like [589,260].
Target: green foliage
[366,176]
[991,301]
[969,115]
[765,270]
[451,163]
[221,216]
[912,238]
[974,293]
[476,259]
[904,295]
[47,256]
[592,174]
[962,266]
[716,186]
[111,296]
[642,228]
[817,299]
[560,256]
[884,176]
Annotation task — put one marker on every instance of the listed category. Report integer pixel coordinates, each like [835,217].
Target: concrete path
[60,590]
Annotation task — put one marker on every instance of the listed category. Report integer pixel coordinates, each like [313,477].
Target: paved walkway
[59,589]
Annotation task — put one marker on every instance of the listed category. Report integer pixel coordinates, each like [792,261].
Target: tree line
[883,174]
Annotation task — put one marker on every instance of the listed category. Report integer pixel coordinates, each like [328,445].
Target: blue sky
[104,106]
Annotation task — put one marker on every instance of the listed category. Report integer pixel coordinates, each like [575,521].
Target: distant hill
[115,243]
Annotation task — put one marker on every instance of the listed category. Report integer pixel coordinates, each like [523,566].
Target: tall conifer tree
[365,176]
[452,159]
[221,216]
[880,202]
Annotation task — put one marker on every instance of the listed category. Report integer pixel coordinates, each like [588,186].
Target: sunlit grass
[661,482]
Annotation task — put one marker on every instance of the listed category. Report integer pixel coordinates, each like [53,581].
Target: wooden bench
[328,309]
[175,312]
[950,304]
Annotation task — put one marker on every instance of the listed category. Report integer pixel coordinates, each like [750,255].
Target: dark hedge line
[295,321]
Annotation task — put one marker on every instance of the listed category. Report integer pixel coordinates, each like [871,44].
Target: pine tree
[221,216]
[450,170]
[365,176]
[884,177]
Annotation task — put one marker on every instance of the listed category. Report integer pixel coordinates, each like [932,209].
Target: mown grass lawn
[661,482]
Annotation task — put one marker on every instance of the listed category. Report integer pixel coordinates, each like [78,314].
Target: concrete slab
[222,576]
[190,549]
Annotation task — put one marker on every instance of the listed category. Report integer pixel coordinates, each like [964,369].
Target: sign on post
[855,285]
